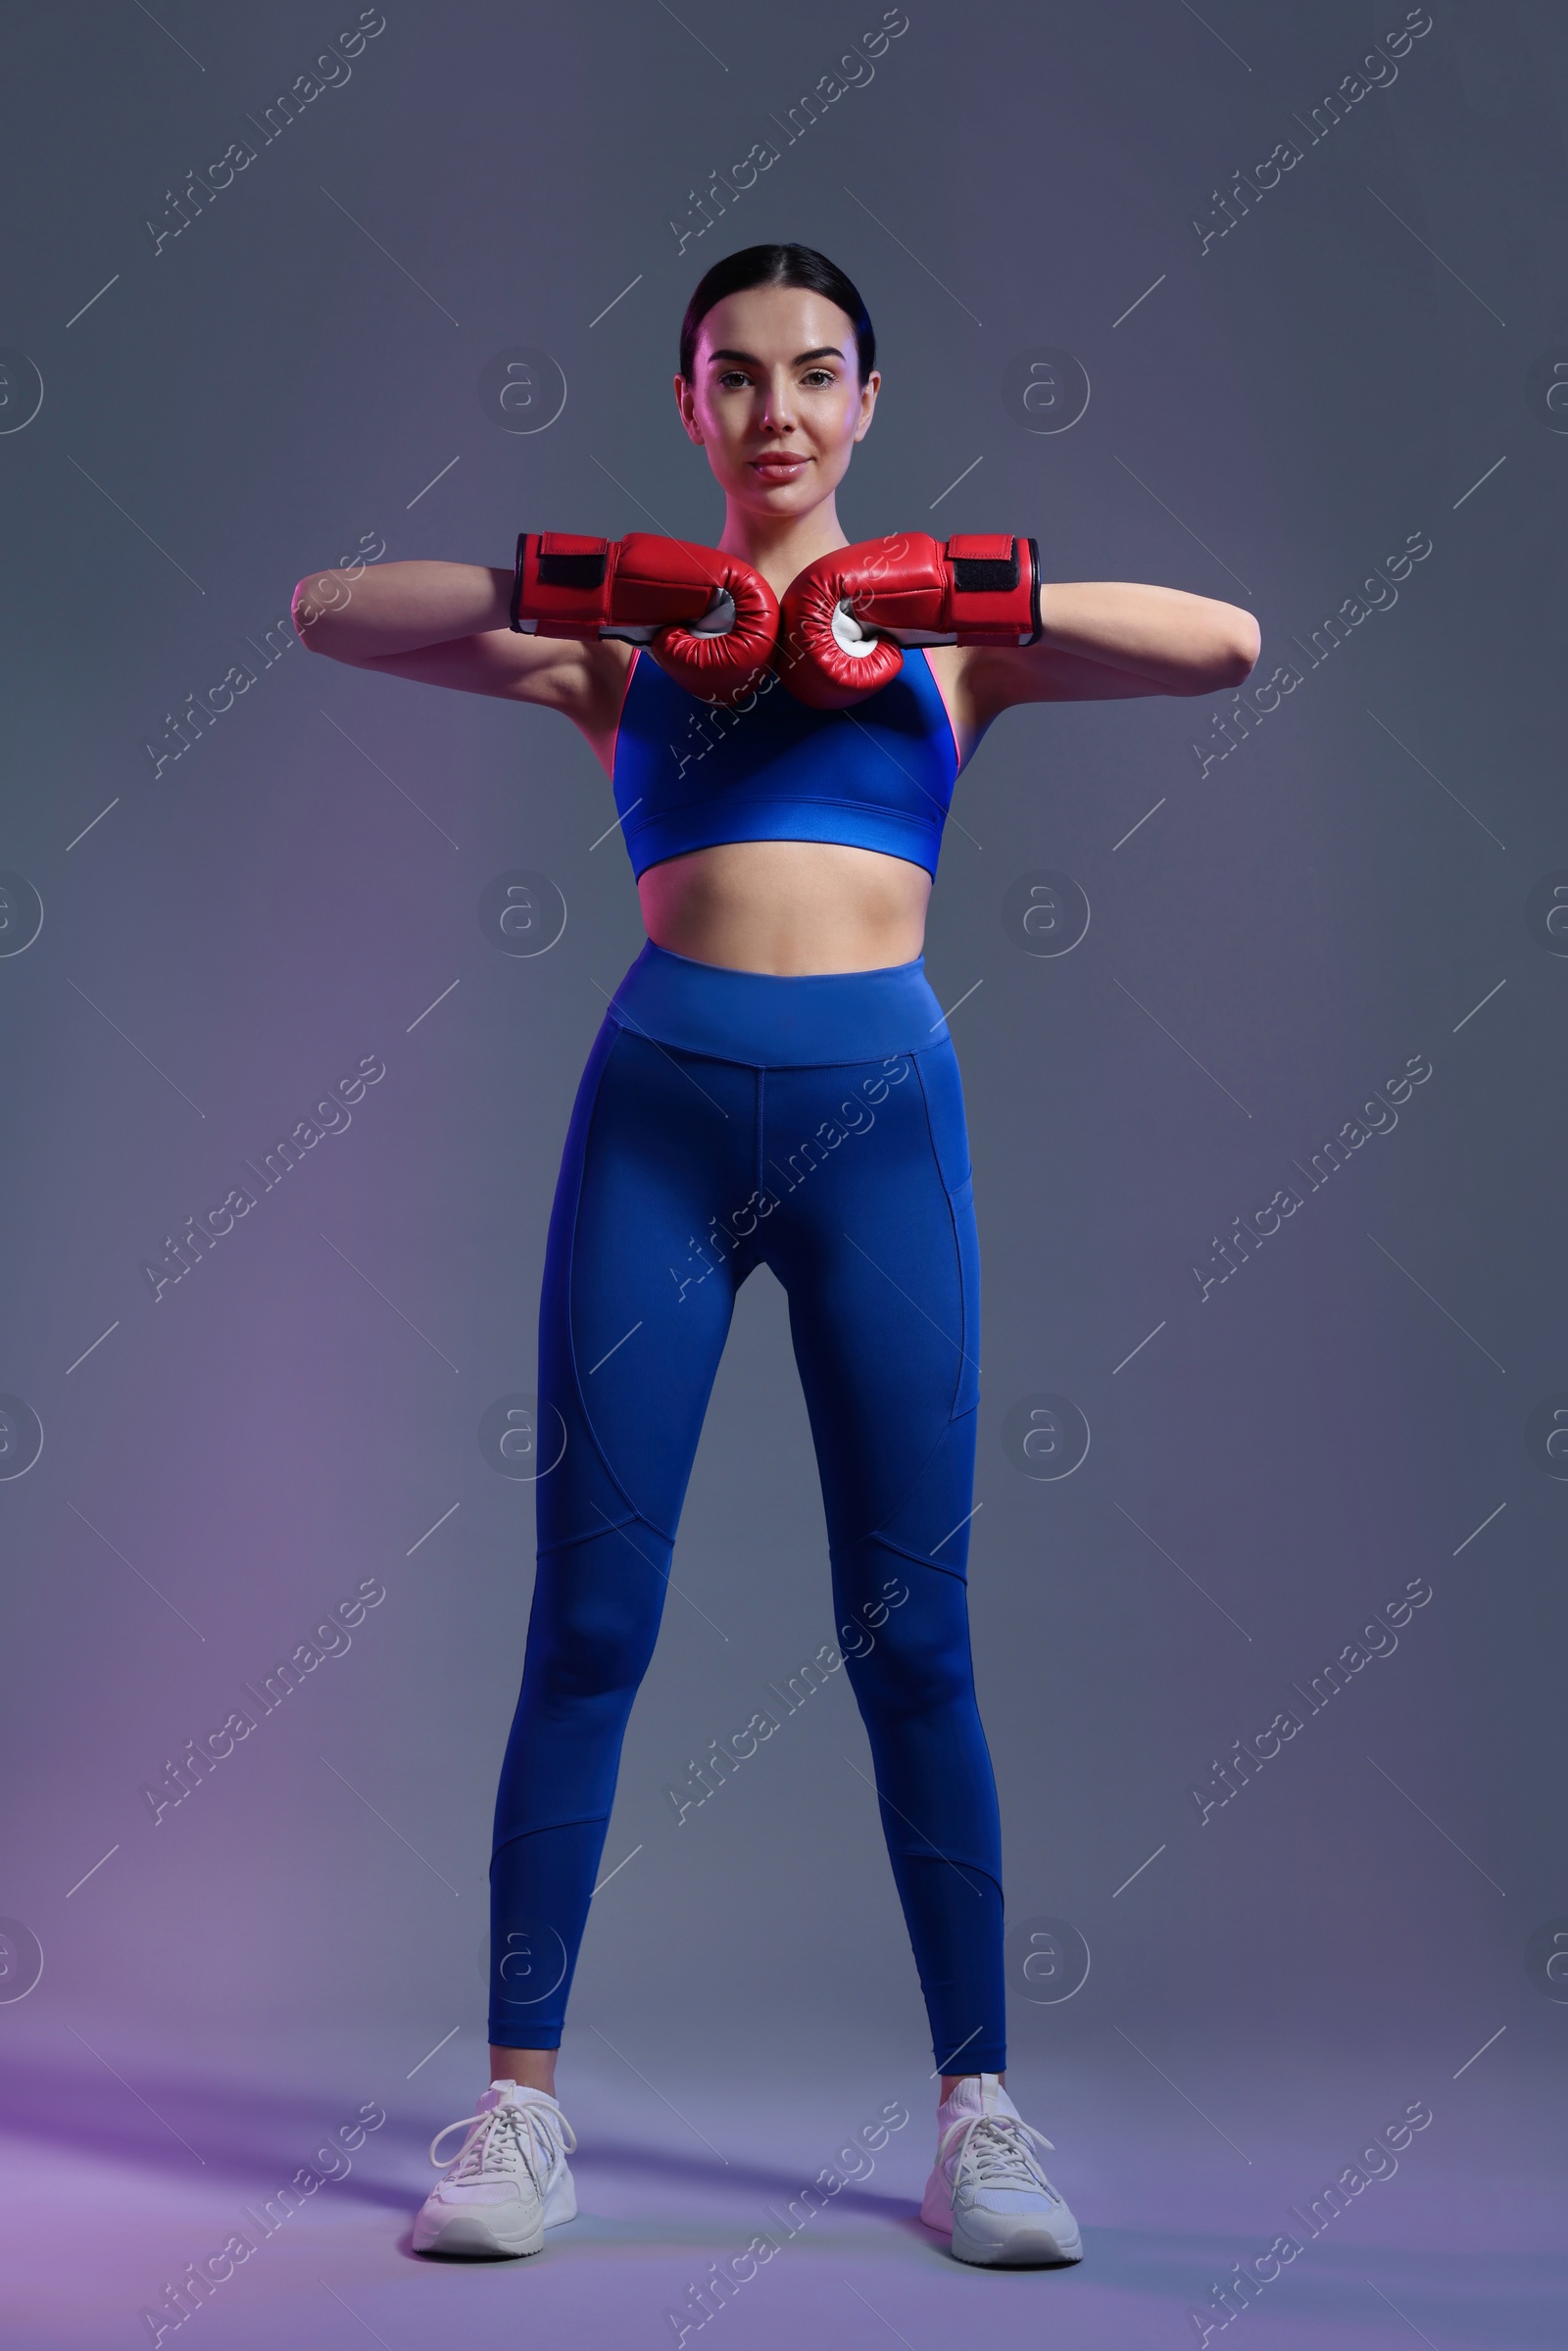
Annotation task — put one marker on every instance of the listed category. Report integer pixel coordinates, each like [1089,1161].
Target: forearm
[1183,644]
[399,608]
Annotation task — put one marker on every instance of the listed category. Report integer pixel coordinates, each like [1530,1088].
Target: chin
[785,497]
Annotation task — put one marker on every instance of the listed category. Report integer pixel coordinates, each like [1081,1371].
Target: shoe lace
[523,2133]
[993,2150]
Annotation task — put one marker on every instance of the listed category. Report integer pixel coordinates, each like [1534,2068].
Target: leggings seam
[578,1820]
[611,1526]
[976,1869]
[875,1533]
[759,1130]
[890,1543]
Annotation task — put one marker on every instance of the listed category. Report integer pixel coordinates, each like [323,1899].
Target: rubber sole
[1029,2249]
[468,2239]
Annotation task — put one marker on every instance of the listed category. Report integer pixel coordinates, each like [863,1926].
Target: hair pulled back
[778,266]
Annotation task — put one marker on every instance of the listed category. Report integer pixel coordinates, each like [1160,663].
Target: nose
[778,409]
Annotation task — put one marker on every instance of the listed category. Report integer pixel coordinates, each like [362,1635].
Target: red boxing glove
[848,615]
[709,620]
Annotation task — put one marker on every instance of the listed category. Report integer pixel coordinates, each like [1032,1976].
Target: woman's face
[775,398]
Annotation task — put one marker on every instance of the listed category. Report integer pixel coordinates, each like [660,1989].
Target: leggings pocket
[943,1090]
[966,1235]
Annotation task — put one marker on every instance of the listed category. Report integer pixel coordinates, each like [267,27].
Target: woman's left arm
[1108,638]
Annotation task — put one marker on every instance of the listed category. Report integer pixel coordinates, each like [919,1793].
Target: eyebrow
[825,351]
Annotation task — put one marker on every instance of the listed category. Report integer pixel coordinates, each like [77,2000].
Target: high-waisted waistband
[772,1022]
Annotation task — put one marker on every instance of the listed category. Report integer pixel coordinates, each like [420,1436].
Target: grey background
[1268,423]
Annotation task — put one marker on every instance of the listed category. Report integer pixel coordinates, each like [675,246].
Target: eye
[817,377]
[731,377]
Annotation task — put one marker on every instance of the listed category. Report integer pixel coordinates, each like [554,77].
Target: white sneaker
[509,2181]
[988,2187]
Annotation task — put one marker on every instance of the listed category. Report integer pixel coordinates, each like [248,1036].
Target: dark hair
[778,266]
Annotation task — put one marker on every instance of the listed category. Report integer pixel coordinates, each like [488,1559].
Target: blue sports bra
[879,775]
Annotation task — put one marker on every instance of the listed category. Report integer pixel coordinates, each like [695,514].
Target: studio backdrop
[1259,1000]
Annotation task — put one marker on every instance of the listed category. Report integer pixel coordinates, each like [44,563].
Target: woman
[773,1084]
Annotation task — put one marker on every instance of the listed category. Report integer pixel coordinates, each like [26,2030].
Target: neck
[780,546]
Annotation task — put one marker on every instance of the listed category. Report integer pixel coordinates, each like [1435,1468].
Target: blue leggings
[725,1120]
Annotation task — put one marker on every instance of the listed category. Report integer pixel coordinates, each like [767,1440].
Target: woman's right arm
[448,624]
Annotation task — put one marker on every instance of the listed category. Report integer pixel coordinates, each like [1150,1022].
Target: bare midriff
[790,908]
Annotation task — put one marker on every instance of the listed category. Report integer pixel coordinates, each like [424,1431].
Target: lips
[778,468]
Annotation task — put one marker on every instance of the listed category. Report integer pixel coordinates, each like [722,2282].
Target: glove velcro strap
[995,589]
[560,584]
[567,563]
[984,564]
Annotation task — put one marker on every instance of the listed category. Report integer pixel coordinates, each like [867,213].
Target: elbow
[309,616]
[1246,648]
[299,613]
[1234,656]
